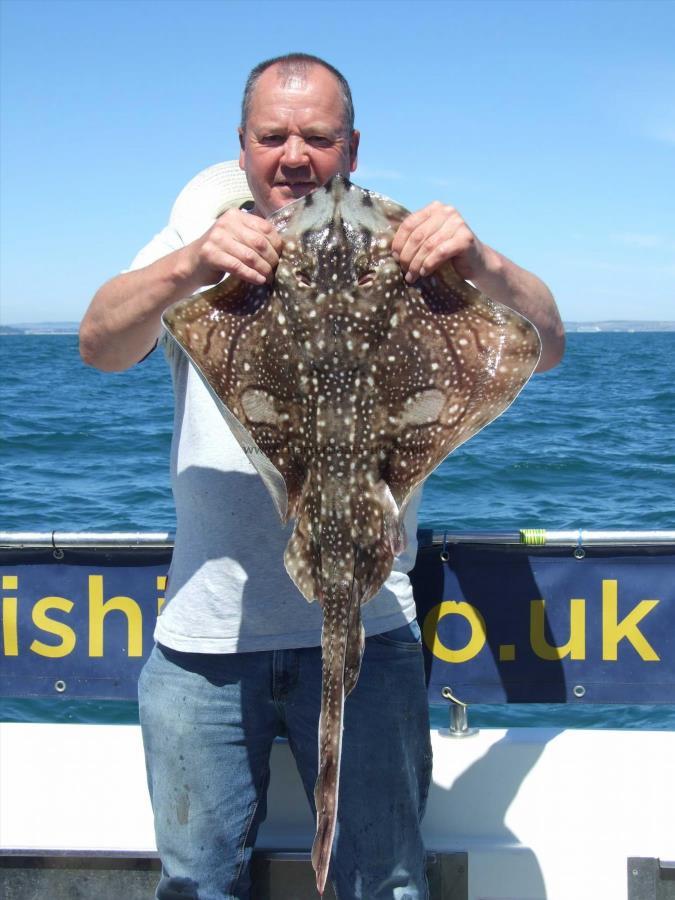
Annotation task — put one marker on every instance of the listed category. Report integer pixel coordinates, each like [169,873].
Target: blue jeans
[208,723]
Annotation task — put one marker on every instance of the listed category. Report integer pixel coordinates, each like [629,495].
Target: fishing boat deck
[534,814]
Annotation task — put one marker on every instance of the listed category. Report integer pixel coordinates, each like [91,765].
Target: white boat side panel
[73,787]
[551,815]
[544,814]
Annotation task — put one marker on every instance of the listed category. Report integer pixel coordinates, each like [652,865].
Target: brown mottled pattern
[349,387]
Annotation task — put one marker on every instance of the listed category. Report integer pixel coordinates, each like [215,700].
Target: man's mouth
[296,185]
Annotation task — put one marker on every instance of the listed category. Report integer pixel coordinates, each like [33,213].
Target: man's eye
[272,140]
[318,140]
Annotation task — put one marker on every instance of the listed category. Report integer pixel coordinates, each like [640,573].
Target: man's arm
[123,320]
[437,233]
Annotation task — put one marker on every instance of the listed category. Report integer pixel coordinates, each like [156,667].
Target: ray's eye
[366,279]
[303,278]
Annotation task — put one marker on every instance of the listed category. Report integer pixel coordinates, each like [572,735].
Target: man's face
[295,137]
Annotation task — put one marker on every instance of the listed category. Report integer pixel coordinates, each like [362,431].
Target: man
[237,659]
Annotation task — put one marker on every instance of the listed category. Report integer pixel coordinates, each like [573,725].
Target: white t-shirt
[228,590]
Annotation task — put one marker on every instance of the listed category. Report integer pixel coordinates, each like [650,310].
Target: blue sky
[549,125]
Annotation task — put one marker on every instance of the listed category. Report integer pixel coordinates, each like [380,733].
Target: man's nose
[295,151]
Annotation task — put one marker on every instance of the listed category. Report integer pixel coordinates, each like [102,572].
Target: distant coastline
[623,325]
[41,328]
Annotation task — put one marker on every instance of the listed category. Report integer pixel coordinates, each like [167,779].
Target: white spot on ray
[259,407]
[424,407]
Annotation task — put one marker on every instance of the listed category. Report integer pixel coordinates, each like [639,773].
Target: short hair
[297,64]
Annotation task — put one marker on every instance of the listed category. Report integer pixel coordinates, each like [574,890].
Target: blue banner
[81,626]
[523,624]
[500,624]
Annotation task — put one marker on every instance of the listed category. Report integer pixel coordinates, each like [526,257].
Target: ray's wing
[452,361]
[393,212]
[235,335]
[461,359]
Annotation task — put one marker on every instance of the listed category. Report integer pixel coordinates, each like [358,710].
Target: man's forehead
[297,79]
[293,80]
[292,75]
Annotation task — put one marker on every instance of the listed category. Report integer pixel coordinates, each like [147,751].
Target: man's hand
[438,234]
[242,244]
[123,321]
[434,235]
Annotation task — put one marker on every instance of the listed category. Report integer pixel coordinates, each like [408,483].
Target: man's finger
[407,226]
[441,253]
[253,274]
[238,260]
[243,226]
[430,256]
[251,241]
[262,226]
[262,244]
[424,233]
[250,258]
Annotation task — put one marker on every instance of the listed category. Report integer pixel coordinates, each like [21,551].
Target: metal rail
[543,537]
[164,539]
[66,540]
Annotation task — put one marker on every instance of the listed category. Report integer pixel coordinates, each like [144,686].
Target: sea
[589,444]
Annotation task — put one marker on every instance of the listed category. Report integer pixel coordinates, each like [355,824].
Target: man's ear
[354,150]
[242,152]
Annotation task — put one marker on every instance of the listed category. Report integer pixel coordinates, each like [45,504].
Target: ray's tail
[342,647]
[341,552]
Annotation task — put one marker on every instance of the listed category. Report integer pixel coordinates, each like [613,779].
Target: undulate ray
[347,387]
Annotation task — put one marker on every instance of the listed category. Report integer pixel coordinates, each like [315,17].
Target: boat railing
[524,536]
[530,615]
